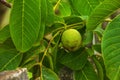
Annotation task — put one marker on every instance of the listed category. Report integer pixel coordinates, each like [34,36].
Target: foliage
[32,38]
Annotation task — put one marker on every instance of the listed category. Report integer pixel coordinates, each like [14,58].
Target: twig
[5,3]
[45,53]
[57,4]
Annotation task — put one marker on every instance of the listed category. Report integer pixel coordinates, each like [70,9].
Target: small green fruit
[71,39]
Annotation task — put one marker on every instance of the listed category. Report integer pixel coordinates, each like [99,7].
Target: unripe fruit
[71,39]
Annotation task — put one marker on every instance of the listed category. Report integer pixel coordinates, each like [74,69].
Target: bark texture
[19,74]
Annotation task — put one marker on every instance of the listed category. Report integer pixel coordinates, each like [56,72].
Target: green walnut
[71,39]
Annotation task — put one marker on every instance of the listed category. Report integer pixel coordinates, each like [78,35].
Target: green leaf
[99,31]
[47,17]
[74,60]
[43,10]
[8,44]
[4,34]
[90,51]
[87,73]
[9,0]
[69,20]
[29,65]
[64,9]
[29,75]
[99,68]
[54,28]
[111,49]
[48,74]
[84,7]
[49,13]
[101,0]
[48,61]
[58,19]
[88,37]
[55,51]
[30,55]
[97,47]
[24,23]
[102,11]
[9,59]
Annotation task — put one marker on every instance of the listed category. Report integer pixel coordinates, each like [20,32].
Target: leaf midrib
[84,74]
[10,61]
[22,26]
[90,4]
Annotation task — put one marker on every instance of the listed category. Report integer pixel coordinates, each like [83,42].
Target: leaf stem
[108,20]
[68,26]
[57,4]
[76,24]
[45,53]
